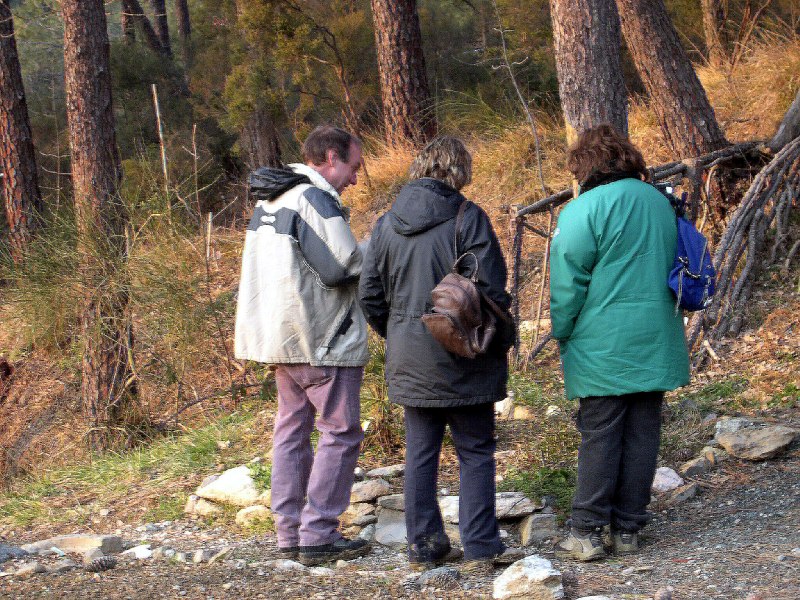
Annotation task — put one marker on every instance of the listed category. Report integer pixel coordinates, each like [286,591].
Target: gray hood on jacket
[423,204]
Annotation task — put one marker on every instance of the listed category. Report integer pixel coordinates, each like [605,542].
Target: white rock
[531,577]
[321,571]
[78,543]
[139,552]
[504,407]
[448,505]
[285,565]
[390,530]
[758,444]
[366,491]
[368,533]
[553,411]
[234,486]
[511,505]
[29,568]
[732,425]
[252,515]
[390,471]
[203,555]
[201,507]
[666,479]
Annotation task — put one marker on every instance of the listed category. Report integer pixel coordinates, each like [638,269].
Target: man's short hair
[324,138]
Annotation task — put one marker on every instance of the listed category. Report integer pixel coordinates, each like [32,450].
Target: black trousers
[620,436]
[472,428]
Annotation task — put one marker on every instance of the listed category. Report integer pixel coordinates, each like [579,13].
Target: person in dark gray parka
[410,252]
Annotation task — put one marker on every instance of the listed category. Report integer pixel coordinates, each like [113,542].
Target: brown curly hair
[602,150]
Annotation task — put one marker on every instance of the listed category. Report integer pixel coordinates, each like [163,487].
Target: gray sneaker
[582,545]
[625,542]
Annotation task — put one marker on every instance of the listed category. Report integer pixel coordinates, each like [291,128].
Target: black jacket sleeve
[371,293]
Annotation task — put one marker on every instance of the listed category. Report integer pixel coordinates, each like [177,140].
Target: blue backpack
[692,276]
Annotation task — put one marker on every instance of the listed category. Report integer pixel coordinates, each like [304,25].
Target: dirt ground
[739,539]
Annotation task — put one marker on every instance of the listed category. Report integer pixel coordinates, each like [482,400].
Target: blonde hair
[444,158]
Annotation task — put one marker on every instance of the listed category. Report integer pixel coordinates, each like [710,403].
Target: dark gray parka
[410,252]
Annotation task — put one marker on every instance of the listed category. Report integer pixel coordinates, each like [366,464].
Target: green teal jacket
[610,307]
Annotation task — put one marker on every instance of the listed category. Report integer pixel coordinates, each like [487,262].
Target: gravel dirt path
[739,539]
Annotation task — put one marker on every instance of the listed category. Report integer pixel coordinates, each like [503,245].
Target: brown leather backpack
[463,319]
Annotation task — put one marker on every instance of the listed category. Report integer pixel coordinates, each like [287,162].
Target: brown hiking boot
[625,542]
[582,545]
[452,555]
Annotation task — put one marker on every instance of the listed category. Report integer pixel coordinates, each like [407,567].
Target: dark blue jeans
[472,428]
[620,436]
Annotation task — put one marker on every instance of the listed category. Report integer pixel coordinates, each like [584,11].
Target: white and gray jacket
[298,291]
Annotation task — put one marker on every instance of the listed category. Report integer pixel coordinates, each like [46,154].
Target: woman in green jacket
[622,342]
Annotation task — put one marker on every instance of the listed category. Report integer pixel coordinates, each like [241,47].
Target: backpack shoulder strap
[459,222]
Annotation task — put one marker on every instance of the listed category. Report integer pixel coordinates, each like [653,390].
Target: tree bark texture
[260,141]
[101,217]
[20,183]
[162,25]
[136,13]
[184,21]
[676,96]
[789,127]
[714,31]
[407,110]
[127,26]
[587,41]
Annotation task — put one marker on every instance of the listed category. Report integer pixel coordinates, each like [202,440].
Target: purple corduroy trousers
[310,491]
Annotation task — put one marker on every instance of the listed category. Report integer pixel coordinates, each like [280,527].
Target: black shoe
[289,552]
[452,555]
[342,549]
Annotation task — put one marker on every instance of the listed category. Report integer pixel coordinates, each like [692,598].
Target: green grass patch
[705,398]
[261,474]
[110,478]
[559,484]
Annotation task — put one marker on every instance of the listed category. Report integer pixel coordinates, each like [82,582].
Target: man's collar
[317,180]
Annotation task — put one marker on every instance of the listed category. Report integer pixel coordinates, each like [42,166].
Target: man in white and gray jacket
[298,310]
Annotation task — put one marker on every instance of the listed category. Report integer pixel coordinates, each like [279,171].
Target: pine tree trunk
[260,140]
[127,26]
[184,30]
[106,393]
[714,31]
[162,25]
[136,13]
[677,98]
[587,41]
[407,110]
[19,184]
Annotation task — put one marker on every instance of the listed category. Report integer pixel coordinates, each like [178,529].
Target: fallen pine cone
[104,563]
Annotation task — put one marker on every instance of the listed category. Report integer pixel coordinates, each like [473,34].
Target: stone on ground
[234,486]
[390,471]
[696,466]
[511,505]
[392,501]
[8,552]
[666,480]
[732,425]
[355,513]
[201,507]
[139,552]
[27,569]
[78,543]
[444,578]
[390,530]
[758,444]
[367,491]
[532,577]
[683,493]
[537,528]
[252,515]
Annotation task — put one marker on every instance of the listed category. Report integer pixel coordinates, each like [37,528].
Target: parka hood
[423,204]
[267,183]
